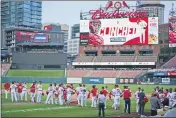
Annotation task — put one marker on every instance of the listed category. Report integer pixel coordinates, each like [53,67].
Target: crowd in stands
[4,69]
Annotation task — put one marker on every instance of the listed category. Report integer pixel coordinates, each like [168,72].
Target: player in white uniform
[69,92]
[169,96]
[56,93]
[39,92]
[84,96]
[61,94]
[137,99]
[50,94]
[24,92]
[116,92]
[79,90]
[13,88]
[174,98]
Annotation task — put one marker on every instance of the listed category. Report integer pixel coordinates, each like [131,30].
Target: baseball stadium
[119,47]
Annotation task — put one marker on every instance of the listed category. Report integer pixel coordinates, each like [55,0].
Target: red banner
[23,36]
[171,73]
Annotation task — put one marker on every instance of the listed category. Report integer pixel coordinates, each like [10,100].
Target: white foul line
[39,109]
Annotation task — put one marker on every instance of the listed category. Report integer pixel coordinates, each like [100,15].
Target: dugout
[145,51]
[108,52]
[91,52]
[127,52]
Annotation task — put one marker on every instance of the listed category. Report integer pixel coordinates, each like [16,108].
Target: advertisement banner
[165,80]
[23,36]
[153,30]
[131,81]
[89,80]
[123,31]
[122,81]
[113,63]
[117,80]
[172,31]
[160,74]
[172,74]
[109,80]
[74,80]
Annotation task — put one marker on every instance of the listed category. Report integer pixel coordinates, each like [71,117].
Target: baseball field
[28,109]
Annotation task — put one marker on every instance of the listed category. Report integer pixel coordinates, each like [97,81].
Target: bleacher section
[114,59]
[171,63]
[84,59]
[4,69]
[147,58]
[104,73]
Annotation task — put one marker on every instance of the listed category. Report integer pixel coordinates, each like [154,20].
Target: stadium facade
[16,35]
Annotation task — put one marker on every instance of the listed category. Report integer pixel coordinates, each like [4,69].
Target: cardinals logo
[116,5]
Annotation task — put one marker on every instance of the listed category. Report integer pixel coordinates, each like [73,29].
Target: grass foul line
[39,109]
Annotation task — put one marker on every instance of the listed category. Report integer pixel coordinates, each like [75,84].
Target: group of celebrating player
[59,93]
[62,94]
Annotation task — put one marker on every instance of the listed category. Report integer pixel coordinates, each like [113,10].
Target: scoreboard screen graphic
[40,37]
[123,31]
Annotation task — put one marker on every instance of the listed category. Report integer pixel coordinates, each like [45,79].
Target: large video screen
[122,31]
[172,31]
[40,37]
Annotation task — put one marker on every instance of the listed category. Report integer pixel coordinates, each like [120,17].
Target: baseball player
[32,91]
[169,96]
[19,94]
[79,91]
[84,96]
[13,87]
[116,92]
[174,98]
[69,92]
[24,92]
[105,92]
[56,93]
[61,94]
[137,99]
[39,92]
[94,92]
[6,87]
[50,95]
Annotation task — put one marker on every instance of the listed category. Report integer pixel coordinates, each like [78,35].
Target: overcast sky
[68,12]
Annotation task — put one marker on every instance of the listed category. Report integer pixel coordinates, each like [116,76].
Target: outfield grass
[35,73]
[75,111]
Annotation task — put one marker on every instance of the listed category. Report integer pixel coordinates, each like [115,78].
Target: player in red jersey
[7,88]
[105,92]
[94,92]
[19,90]
[32,91]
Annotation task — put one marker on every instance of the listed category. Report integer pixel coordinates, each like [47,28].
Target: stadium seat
[5,68]
[170,64]
[104,73]
[152,58]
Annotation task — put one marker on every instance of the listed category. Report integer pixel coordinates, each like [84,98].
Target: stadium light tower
[172,12]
